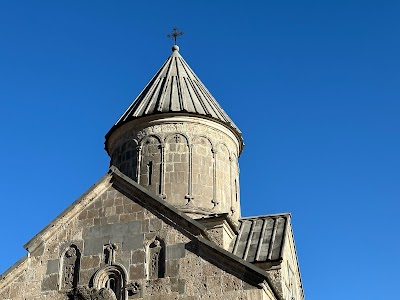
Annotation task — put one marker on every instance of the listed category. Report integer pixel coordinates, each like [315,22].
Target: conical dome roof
[175,88]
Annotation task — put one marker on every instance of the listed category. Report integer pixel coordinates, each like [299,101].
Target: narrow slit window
[236,191]
[149,172]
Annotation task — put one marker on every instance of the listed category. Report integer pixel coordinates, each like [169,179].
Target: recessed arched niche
[176,168]
[155,259]
[223,177]
[202,172]
[150,164]
[125,158]
[70,263]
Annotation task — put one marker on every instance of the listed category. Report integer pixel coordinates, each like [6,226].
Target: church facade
[164,222]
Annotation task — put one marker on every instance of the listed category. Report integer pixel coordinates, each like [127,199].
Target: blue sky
[313,85]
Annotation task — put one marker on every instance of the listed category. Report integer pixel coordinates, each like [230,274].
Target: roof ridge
[285,214]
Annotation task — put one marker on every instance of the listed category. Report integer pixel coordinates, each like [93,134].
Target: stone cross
[175,33]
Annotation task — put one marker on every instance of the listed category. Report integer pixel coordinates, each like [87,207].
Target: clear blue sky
[313,85]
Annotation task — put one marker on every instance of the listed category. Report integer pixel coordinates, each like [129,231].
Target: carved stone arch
[173,135]
[112,277]
[69,267]
[235,177]
[197,137]
[235,188]
[150,161]
[155,258]
[128,158]
[202,171]
[177,169]
[144,139]
[223,147]
[223,177]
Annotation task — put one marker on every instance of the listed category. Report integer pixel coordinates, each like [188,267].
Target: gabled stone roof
[198,233]
[176,89]
[261,239]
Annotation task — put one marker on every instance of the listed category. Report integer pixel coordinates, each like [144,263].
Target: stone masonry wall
[290,274]
[116,242]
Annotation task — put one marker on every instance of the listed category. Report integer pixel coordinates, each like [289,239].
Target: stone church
[164,222]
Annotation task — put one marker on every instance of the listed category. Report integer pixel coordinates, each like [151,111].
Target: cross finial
[175,33]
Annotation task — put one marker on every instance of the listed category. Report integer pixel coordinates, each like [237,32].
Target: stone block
[93,213]
[93,246]
[120,229]
[87,222]
[109,211]
[124,218]
[107,230]
[155,225]
[94,231]
[181,286]
[172,268]
[138,256]
[127,208]
[132,242]
[117,240]
[135,227]
[102,212]
[118,201]
[135,207]
[90,262]
[113,219]
[85,276]
[50,282]
[38,251]
[136,272]
[52,266]
[119,209]
[140,215]
[145,225]
[175,251]
[103,221]
[82,215]
[97,204]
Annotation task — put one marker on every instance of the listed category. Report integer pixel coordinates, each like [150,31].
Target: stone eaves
[261,239]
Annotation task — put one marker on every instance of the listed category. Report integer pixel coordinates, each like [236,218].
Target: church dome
[176,89]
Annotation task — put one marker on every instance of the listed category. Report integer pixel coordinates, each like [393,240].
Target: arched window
[111,284]
[112,277]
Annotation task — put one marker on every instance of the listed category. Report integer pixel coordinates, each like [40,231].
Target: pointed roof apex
[176,89]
